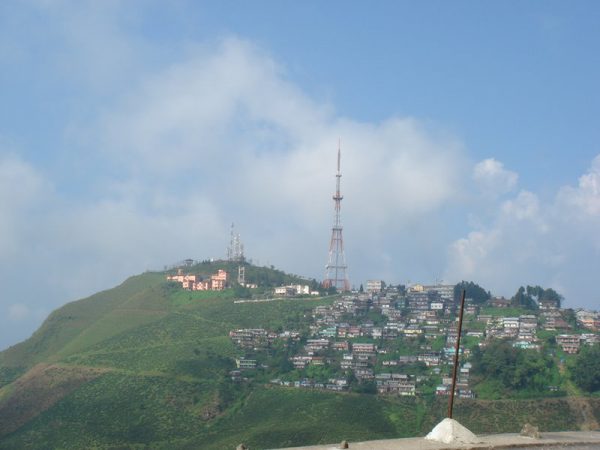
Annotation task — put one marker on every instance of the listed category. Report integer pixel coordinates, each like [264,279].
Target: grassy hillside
[81,323]
[140,300]
[120,410]
[146,365]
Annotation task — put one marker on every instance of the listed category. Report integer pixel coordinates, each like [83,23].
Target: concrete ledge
[575,440]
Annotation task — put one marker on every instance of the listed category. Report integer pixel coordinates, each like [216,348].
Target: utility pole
[456,349]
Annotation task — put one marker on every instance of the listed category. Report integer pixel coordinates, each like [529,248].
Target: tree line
[527,297]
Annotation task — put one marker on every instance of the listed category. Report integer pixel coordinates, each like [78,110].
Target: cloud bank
[220,136]
[530,241]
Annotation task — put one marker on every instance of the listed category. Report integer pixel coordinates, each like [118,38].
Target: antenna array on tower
[235,251]
[336,268]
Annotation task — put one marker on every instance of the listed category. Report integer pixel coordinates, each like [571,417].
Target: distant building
[510,322]
[444,291]
[245,364]
[547,304]
[419,300]
[471,310]
[416,288]
[556,323]
[285,291]
[590,339]
[436,305]
[570,343]
[218,281]
[526,345]
[293,290]
[363,348]
[588,319]
[499,302]
[374,285]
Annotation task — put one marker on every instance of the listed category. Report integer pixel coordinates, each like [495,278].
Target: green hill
[146,365]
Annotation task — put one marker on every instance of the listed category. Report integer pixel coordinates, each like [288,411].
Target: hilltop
[149,364]
[140,300]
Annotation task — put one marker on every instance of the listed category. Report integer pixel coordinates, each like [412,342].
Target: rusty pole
[456,349]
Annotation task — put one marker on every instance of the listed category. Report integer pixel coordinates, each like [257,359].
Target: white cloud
[22,189]
[467,253]
[493,178]
[525,207]
[230,98]
[18,312]
[226,124]
[19,183]
[584,200]
[534,242]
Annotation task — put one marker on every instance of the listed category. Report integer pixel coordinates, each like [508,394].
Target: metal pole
[456,349]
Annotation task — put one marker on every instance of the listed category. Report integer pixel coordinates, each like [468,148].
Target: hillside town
[395,340]
[401,341]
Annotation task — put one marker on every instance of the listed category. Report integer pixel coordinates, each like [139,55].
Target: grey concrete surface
[573,440]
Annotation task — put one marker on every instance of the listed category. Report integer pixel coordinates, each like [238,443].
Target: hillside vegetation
[146,365]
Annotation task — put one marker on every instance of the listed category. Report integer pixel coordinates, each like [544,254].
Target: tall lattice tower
[335,270]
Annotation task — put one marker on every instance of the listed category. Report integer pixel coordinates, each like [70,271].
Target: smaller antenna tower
[235,251]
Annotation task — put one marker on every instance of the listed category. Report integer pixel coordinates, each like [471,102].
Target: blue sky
[133,133]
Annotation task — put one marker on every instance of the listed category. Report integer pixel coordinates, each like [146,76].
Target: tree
[586,369]
[314,285]
[473,291]
[570,317]
[534,291]
[512,368]
[365,387]
[552,295]
[531,296]
[524,298]
[331,290]
[240,291]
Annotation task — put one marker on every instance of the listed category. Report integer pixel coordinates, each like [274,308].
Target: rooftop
[574,440]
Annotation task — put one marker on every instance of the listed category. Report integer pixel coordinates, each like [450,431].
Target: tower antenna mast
[235,251]
[336,268]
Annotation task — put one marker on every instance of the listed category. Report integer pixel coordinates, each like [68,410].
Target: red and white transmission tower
[335,270]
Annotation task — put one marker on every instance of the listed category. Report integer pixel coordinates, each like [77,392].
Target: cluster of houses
[333,384]
[216,282]
[396,383]
[259,338]
[571,343]
[219,281]
[422,317]
[588,319]
[404,342]
[462,383]
[522,330]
